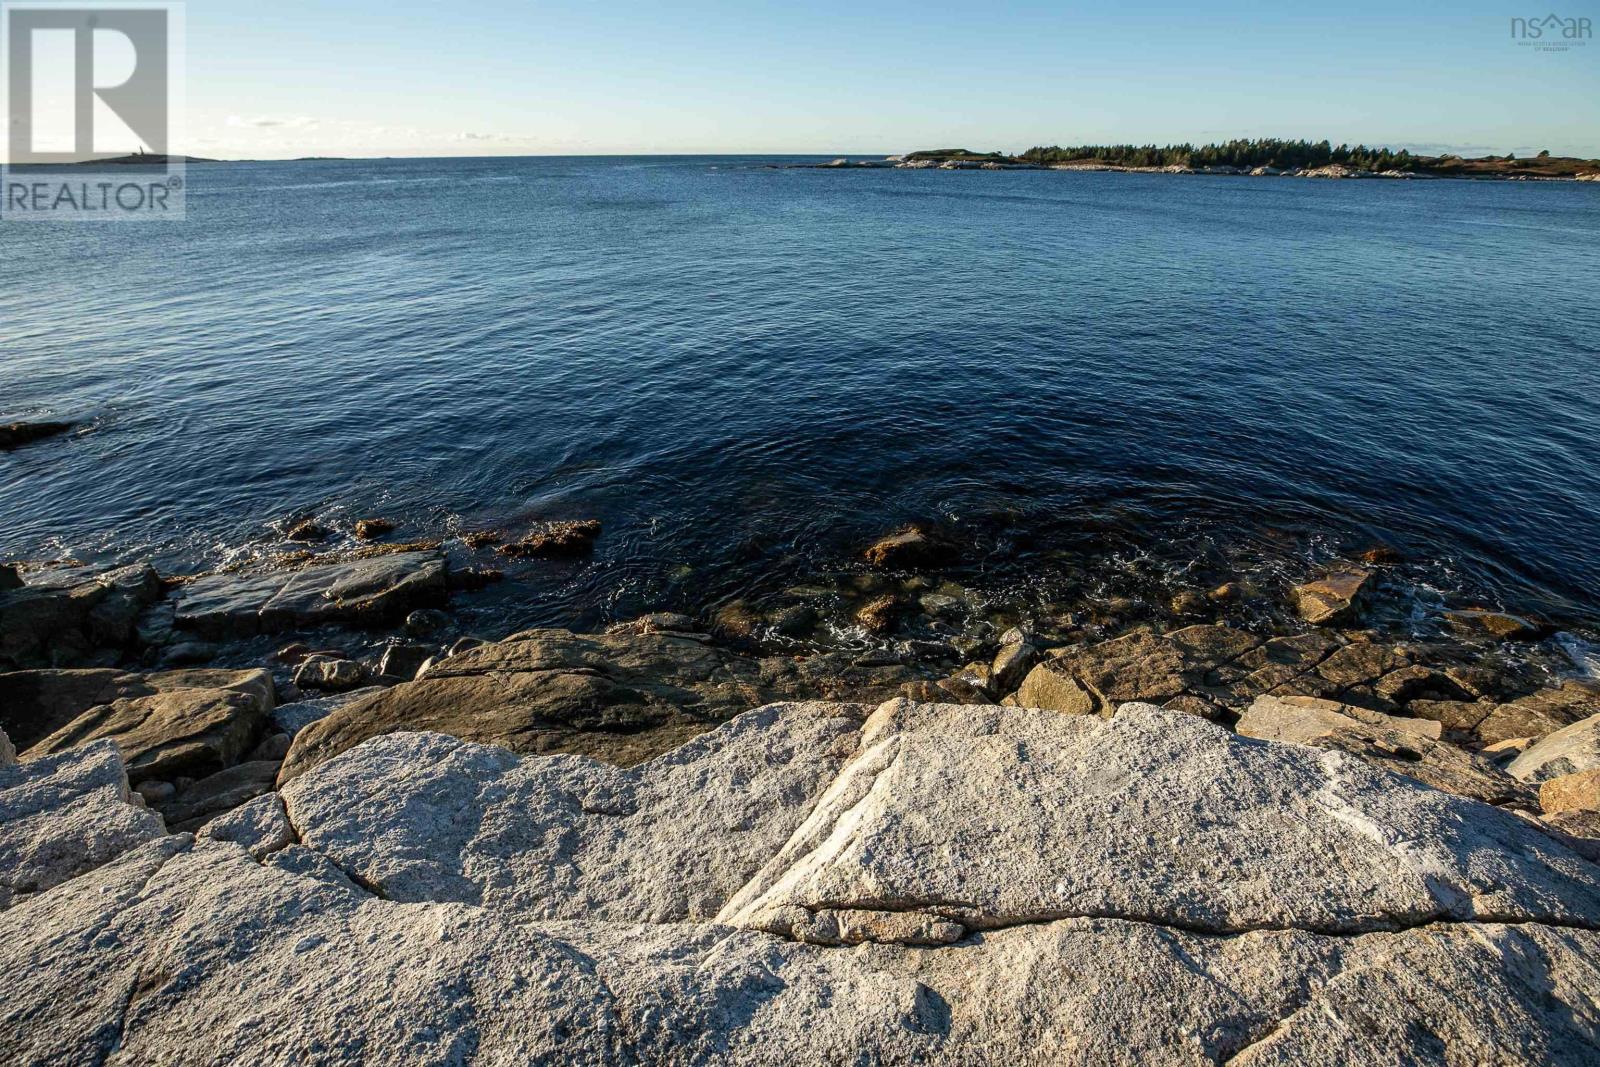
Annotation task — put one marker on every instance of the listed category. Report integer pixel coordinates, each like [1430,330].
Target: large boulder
[192,723]
[1144,889]
[365,590]
[64,815]
[911,548]
[1035,819]
[429,817]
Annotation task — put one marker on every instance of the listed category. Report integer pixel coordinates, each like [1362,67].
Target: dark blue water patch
[747,371]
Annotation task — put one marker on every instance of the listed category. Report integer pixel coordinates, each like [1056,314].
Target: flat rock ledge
[810,883]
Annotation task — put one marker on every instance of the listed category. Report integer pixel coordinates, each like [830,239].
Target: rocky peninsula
[712,840]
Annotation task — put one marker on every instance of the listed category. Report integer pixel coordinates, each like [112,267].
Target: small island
[1265,157]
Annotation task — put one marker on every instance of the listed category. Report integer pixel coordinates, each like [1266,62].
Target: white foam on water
[1585,655]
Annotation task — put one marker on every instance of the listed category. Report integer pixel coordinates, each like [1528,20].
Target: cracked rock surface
[818,883]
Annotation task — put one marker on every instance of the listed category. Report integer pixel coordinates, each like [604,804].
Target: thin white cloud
[268,122]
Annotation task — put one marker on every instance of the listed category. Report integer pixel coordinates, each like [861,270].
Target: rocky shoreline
[1330,171]
[725,840]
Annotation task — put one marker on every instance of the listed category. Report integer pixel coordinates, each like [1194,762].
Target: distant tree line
[1264,152]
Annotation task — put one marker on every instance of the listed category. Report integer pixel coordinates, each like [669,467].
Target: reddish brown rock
[1475,622]
[551,540]
[1335,598]
[1571,792]
[911,548]
[371,529]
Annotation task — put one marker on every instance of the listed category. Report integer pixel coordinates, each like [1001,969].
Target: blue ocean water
[747,370]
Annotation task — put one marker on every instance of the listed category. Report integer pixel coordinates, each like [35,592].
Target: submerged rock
[306,531]
[1496,624]
[910,549]
[16,434]
[880,615]
[549,540]
[372,529]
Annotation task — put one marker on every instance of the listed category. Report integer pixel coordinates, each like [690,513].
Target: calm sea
[747,370]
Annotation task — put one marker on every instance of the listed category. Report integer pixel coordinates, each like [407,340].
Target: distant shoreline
[1341,163]
[1485,168]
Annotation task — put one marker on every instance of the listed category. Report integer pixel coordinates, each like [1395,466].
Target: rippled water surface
[746,370]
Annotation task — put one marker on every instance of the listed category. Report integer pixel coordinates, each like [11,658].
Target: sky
[486,77]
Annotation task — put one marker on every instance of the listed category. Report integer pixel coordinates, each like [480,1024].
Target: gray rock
[189,654]
[329,674]
[272,747]
[260,826]
[428,817]
[1037,817]
[292,718]
[155,792]
[8,751]
[63,815]
[1567,751]
[69,617]
[361,591]
[10,577]
[244,946]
